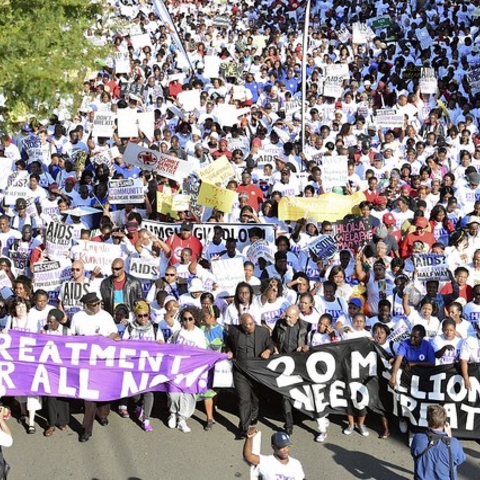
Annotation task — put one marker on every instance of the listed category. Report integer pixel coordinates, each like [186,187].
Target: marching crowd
[420,183]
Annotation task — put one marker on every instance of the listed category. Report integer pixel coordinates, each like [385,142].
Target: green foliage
[43,49]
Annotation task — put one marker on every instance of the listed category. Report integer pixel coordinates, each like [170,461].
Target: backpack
[433,440]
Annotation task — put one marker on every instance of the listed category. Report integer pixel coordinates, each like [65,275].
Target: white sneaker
[183,427]
[172,421]
[363,431]
[327,422]
[321,437]
[410,439]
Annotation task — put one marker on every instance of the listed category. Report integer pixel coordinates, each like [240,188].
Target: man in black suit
[246,341]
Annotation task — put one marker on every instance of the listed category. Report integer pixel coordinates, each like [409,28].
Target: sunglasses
[93,304]
[116,269]
[169,274]
[187,319]
[142,315]
[76,269]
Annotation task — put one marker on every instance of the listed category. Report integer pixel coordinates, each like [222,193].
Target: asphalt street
[123,451]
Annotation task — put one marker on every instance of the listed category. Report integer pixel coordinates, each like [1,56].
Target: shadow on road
[367,466]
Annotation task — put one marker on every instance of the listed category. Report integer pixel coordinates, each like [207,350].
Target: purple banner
[98,368]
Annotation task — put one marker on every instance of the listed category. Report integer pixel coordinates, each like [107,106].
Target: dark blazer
[262,340]
[280,331]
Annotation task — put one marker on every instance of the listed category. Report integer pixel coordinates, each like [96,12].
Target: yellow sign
[330,206]
[218,171]
[180,203]
[164,203]
[216,197]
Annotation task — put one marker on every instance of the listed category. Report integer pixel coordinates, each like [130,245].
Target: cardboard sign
[430,266]
[231,70]
[218,171]
[164,165]
[412,72]
[383,21]
[122,62]
[333,87]
[146,123]
[164,203]
[216,197]
[353,234]
[228,273]
[324,247]
[180,202]
[343,34]
[359,33]
[125,190]
[338,70]
[334,171]
[423,37]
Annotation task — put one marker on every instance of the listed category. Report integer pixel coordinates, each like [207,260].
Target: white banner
[389,118]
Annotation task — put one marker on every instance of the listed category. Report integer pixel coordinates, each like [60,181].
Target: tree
[44,51]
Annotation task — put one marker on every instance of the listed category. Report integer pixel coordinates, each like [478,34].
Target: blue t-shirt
[424,353]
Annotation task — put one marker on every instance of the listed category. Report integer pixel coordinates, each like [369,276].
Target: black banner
[327,378]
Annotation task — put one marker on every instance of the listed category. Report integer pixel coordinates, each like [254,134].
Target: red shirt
[255,195]
[465,292]
[177,244]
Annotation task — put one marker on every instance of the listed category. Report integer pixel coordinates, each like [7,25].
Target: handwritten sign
[216,197]
[218,171]
[430,266]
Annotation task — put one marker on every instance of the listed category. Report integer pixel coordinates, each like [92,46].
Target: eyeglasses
[93,304]
[76,269]
[142,315]
[328,231]
[116,269]
[187,319]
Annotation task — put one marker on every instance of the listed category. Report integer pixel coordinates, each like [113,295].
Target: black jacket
[262,340]
[132,292]
[280,332]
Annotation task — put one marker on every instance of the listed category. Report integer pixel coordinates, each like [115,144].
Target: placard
[338,70]
[126,190]
[58,240]
[389,118]
[103,124]
[260,249]
[144,268]
[324,247]
[127,123]
[216,197]
[334,171]
[50,275]
[218,171]
[228,273]
[353,234]
[97,254]
[333,87]
[164,165]
[430,266]
[428,81]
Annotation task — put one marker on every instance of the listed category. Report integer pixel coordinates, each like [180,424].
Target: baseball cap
[474,178]
[280,440]
[380,200]
[421,222]
[20,203]
[388,219]
[187,226]
[473,219]
[355,301]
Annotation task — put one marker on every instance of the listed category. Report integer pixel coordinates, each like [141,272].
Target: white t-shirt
[272,469]
[470,350]
[99,324]
[471,312]
[192,338]
[432,327]
[450,356]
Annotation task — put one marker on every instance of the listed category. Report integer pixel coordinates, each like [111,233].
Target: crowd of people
[420,183]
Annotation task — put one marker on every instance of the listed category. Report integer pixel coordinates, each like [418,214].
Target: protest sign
[329,206]
[428,81]
[343,34]
[330,377]
[389,118]
[293,106]
[20,259]
[212,66]
[423,37]
[164,202]
[324,247]
[127,123]
[360,34]
[241,143]
[144,268]
[269,154]
[146,123]
[49,275]
[473,78]
[18,178]
[191,187]
[218,171]
[337,70]
[226,115]
[216,197]
[260,249]
[334,171]
[97,254]
[103,124]
[180,202]
[125,190]
[5,281]
[95,368]
[382,21]
[223,374]
[231,70]
[228,273]
[333,87]
[204,231]
[13,193]
[221,21]
[189,100]
[165,165]
[58,240]
[140,41]
[412,72]
[353,234]
[430,266]
[122,62]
